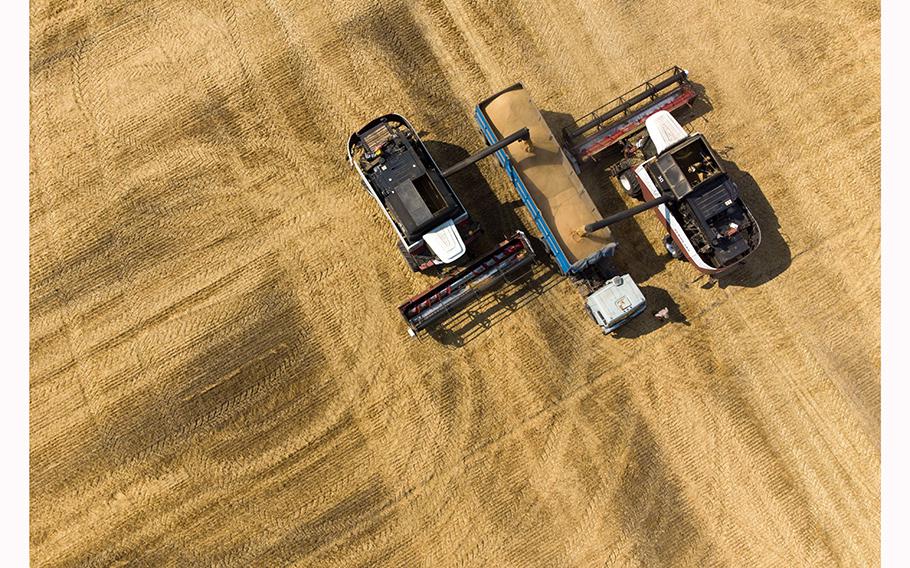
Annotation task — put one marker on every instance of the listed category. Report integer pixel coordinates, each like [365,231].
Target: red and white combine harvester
[678,174]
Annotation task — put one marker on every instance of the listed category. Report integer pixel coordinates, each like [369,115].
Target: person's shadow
[658,299]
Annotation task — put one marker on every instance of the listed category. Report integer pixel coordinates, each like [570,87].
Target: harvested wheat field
[219,374]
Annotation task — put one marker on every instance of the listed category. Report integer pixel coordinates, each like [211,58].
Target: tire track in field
[240,371]
[395,34]
[207,382]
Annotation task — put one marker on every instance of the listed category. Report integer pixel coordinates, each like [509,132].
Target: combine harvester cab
[677,173]
[560,206]
[696,200]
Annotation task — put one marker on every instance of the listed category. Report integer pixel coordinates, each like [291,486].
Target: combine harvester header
[451,294]
[625,115]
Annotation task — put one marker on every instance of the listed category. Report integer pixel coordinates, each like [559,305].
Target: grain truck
[560,206]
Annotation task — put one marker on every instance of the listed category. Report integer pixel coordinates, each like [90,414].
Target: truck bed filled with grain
[546,172]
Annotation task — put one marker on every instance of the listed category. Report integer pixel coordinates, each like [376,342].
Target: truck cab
[616,302]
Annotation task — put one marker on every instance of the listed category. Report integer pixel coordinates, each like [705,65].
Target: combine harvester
[432,225]
[677,173]
[560,205]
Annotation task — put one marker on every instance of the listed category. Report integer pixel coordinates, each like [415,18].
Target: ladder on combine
[625,115]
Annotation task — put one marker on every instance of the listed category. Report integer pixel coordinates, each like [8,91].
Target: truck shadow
[773,255]
[498,220]
[657,299]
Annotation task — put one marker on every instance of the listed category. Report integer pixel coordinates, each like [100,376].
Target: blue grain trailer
[560,206]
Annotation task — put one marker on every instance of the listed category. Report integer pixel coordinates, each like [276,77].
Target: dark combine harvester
[432,225]
[678,174]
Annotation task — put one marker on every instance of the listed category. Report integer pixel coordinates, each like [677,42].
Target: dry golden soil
[219,374]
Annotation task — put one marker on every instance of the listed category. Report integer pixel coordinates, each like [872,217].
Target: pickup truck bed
[547,174]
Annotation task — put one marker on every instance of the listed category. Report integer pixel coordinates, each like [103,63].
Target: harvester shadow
[657,299]
[699,108]
[498,220]
[494,307]
[635,254]
[773,255]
